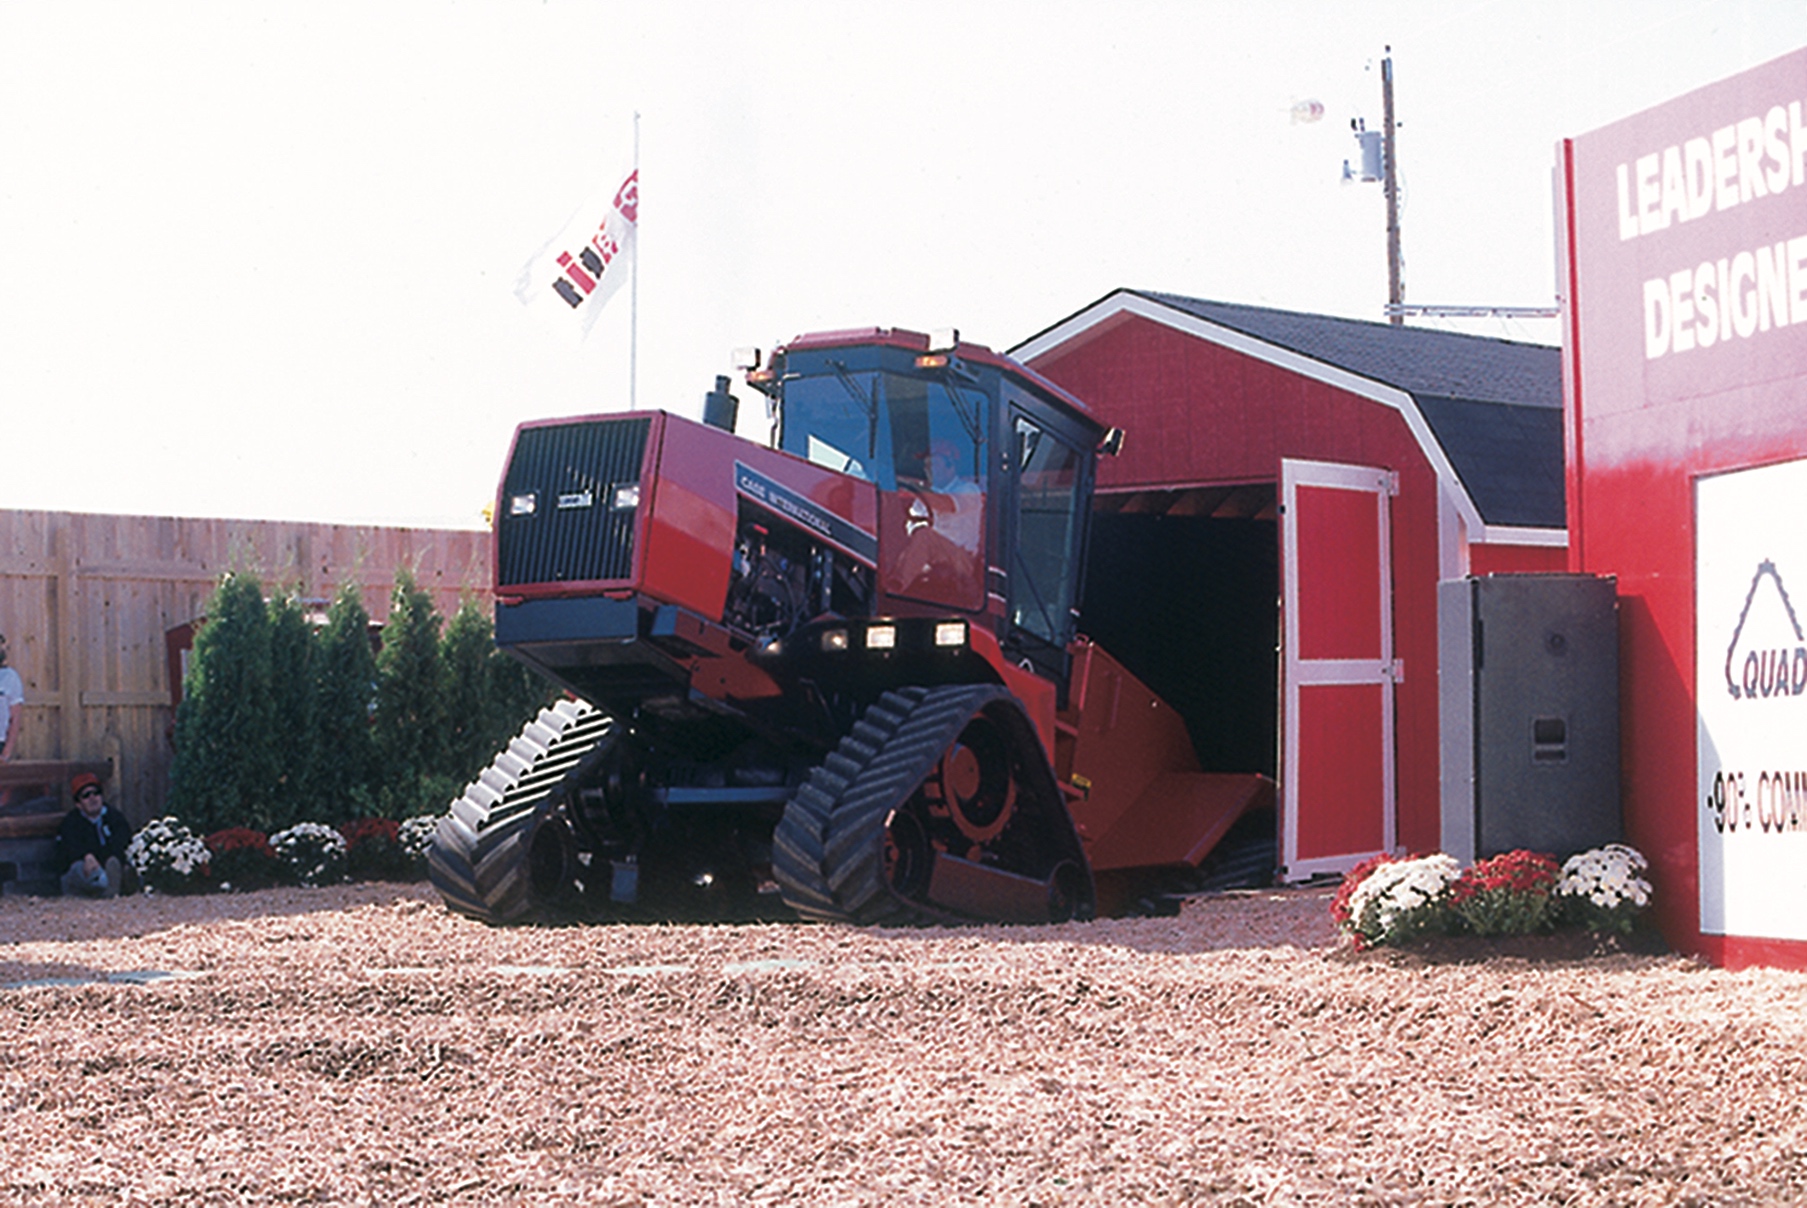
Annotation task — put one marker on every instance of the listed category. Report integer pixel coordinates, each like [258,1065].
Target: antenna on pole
[1380,162]
[1390,168]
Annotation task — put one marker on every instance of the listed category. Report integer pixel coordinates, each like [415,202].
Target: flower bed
[170,858]
[1394,901]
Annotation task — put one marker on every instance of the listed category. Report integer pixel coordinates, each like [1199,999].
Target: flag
[570,279]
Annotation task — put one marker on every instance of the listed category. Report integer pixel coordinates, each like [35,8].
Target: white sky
[256,260]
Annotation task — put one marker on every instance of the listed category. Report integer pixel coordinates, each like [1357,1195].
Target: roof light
[944,339]
[881,637]
[933,360]
[747,358]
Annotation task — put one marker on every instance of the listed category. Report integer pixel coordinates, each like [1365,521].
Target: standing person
[12,704]
[91,843]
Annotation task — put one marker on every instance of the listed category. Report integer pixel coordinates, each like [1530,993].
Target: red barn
[1268,545]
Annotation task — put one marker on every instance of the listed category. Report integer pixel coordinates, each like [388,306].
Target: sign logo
[1753,670]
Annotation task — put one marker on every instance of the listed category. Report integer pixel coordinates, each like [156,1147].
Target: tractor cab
[983,474]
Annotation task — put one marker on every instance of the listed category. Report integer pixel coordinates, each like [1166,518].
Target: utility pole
[1390,175]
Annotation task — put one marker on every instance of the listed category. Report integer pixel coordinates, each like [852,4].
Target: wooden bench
[35,795]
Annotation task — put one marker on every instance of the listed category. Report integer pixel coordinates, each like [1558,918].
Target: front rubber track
[479,860]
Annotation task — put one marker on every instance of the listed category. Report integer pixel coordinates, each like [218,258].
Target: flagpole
[633,320]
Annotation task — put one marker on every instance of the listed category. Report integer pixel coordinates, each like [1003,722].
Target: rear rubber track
[828,852]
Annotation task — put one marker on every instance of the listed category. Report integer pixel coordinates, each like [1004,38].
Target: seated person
[91,843]
[941,468]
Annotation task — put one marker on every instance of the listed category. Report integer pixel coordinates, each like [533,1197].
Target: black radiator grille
[560,520]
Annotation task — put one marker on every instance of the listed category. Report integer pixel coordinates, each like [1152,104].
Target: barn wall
[1497,559]
[1195,413]
[85,601]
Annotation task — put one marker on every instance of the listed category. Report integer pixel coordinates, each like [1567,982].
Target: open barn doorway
[1182,586]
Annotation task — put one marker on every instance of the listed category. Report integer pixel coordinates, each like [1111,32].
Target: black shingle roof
[1494,405]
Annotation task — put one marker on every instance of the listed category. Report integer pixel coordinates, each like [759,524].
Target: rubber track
[478,859]
[828,850]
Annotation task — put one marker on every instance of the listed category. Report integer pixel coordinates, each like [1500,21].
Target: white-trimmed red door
[1337,766]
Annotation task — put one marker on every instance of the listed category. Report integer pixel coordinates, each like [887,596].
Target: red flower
[1339,905]
[239,838]
[369,830]
[1514,872]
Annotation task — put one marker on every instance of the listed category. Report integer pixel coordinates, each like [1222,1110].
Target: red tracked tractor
[839,676]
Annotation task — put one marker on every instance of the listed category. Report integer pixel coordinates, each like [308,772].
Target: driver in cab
[942,471]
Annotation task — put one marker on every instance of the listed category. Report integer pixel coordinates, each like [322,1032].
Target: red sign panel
[1685,232]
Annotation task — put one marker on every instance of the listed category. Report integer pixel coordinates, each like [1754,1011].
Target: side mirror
[1112,444]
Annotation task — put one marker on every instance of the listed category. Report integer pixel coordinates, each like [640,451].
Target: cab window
[934,435]
[829,421]
[1043,573]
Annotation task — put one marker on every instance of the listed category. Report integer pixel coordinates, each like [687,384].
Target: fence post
[69,644]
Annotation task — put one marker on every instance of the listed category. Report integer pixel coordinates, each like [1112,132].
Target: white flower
[1607,877]
[166,846]
[314,851]
[416,835]
[1398,888]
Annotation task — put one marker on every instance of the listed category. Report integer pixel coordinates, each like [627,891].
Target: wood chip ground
[359,1045]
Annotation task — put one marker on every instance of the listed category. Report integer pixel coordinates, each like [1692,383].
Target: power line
[1402,310]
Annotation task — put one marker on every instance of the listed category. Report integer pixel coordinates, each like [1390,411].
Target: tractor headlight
[834,639]
[627,497]
[881,637]
[523,505]
[950,633]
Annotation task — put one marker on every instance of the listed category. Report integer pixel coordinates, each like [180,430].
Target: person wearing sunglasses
[91,842]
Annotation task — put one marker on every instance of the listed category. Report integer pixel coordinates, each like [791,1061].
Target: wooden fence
[86,602]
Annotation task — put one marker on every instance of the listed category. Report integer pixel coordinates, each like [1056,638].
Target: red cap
[83,780]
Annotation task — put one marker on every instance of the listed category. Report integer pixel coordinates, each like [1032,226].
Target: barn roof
[1493,406]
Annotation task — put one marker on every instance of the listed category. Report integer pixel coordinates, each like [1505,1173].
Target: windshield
[890,429]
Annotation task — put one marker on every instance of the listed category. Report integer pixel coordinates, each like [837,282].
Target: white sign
[1750,676]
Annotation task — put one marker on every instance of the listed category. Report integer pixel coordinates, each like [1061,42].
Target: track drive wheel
[505,852]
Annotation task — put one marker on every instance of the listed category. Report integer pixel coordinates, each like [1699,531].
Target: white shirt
[12,692]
